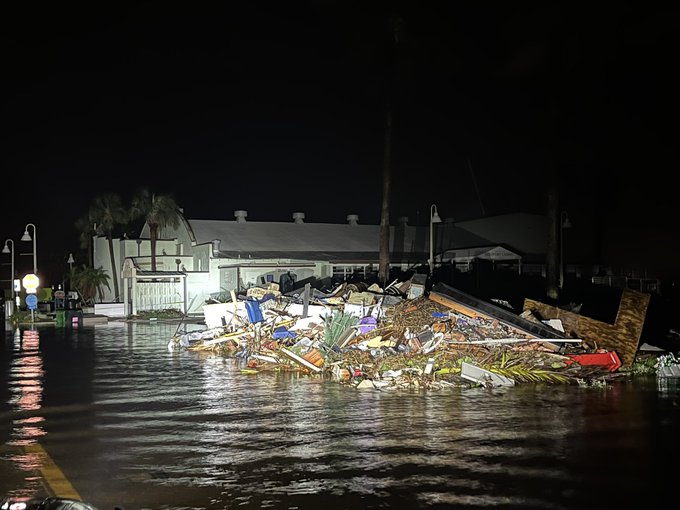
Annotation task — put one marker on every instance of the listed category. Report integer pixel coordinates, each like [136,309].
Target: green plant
[335,325]
[20,317]
[159,211]
[645,366]
[593,383]
[89,282]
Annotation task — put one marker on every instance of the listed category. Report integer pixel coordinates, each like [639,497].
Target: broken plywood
[623,336]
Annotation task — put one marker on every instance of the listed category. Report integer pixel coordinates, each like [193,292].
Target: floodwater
[109,414]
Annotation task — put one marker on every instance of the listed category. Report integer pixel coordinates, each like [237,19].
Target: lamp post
[70,263]
[6,249]
[564,223]
[434,218]
[27,237]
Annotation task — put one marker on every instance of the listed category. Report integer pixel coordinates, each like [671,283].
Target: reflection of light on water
[26,394]
[667,384]
[27,461]
[25,397]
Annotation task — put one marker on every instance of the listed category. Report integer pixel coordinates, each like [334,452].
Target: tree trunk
[384,265]
[552,252]
[114,272]
[153,235]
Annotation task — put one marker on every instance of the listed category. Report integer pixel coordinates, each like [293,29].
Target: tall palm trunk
[153,236]
[90,252]
[384,261]
[114,272]
[552,276]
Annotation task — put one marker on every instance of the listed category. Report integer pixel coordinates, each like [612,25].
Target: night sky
[277,107]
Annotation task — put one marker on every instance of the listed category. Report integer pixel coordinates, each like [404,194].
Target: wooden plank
[300,360]
[472,306]
[490,341]
[454,305]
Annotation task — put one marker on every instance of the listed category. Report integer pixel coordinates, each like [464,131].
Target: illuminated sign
[31,283]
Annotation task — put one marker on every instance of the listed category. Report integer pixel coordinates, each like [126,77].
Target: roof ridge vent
[240,216]
[299,217]
[353,219]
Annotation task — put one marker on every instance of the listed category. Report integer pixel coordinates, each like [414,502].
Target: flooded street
[108,414]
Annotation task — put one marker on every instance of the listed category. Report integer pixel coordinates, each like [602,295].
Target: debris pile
[398,339]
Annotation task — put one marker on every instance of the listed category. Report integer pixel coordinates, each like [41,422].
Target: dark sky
[276,107]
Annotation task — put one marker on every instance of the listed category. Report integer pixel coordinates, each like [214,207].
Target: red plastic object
[609,360]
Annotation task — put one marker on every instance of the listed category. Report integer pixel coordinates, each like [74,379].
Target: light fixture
[6,249]
[434,218]
[27,237]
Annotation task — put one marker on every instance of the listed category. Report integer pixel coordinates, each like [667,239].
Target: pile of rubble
[398,338]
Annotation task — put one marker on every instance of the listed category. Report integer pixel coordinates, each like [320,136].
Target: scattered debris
[667,366]
[405,339]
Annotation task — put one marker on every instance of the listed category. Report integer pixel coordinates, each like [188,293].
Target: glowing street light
[27,237]
[6,249]
[434,218]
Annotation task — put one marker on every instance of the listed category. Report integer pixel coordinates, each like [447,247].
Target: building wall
[141,252]
[208,275]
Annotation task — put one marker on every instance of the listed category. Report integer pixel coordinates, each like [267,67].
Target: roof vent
[299,217]
[353,219]
[403,221]
[240,216]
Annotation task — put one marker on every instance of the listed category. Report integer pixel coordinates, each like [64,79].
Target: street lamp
[7,250]
[27,237]
[564,223]
[70,263]
[434,218]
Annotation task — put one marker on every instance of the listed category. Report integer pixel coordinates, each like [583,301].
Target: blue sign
[32,301]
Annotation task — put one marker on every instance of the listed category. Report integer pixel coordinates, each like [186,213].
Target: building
[208,259]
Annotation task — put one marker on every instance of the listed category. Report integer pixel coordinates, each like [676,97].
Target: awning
[493,253]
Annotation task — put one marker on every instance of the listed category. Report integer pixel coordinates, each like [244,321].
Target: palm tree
[108,212]
[395,26]
[87,229]
[159,211]
[90,282]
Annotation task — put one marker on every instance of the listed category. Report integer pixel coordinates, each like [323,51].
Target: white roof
[299,237]
[480,252]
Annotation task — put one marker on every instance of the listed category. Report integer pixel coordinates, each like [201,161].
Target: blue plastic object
[254,312]
[282,332]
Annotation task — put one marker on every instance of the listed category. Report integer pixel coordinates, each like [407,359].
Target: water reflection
[26,389]
[25,386]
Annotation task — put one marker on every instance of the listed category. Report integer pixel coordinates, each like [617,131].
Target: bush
[168,313]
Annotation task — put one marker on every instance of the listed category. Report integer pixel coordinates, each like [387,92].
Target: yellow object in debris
[377,341]
[249,371]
